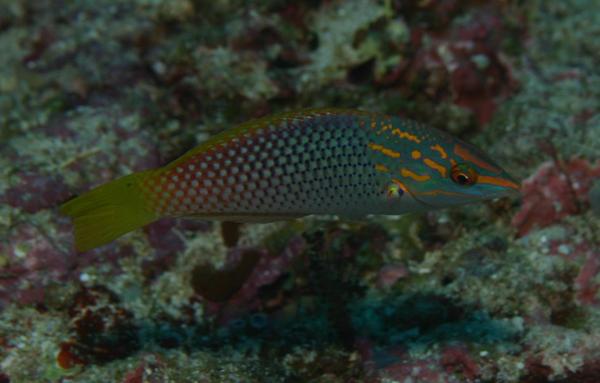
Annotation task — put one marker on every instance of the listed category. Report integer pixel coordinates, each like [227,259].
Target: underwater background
[501,291]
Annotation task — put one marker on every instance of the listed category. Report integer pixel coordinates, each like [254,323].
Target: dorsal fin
[253,125]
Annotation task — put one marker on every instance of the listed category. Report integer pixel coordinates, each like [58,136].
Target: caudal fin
[108,211]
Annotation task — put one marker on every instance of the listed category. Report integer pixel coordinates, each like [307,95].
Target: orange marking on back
[415,154]
[440,150]
[381,168]
[435,166]
[408,136]
[382,149]
[249,128]
[469,157]
[498,181]
[417,177]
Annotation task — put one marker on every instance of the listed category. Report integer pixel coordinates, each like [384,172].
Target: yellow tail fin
[109,211]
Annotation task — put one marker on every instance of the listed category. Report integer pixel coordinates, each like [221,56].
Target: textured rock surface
[500,292]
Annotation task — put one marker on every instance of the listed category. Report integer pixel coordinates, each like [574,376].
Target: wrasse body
[321,161]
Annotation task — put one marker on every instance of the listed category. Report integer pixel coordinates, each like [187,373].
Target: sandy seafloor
[503,291]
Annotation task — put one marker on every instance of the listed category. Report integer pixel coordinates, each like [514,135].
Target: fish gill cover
[502,291]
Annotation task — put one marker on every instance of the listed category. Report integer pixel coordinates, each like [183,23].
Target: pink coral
[420,370]
[149,370]
[162,235]
[135,376]
[390,274]
[268,269]
[478,74]
[462,63]
[102,330]
[583,252]
[406,367]
[456,359]
[35,192]
[554,192]
[453,364]
[585,284]
[34,260]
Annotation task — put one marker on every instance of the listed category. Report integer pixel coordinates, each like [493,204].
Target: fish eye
[463,175]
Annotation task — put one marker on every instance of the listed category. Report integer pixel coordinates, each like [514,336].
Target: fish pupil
[462,179]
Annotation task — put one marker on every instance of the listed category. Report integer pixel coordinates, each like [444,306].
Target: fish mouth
[463,198]
[505,185]
[427,205]
[511,187]
[499,186]
[413,195]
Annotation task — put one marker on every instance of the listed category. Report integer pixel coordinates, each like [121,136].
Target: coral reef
[506,291]
[556,190]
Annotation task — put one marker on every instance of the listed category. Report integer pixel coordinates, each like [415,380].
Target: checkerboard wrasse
[320,161]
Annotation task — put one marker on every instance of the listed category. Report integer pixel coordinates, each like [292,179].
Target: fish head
[452,172]
[436,169]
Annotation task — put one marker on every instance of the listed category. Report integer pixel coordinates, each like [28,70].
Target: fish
[344,162]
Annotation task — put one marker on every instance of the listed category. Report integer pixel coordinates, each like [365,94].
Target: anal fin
[246,218]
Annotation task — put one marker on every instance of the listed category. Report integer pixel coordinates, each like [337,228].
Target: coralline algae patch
[35,192]
[498,292]
[556,190]
[461,62]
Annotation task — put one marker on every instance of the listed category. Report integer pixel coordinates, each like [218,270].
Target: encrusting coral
[502,291]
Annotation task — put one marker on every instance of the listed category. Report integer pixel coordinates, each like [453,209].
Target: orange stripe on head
[440,150]
[417,177]
[415,154]
[498,182]
[382,149]
[435,166]
[469,157]
[440,192]
[408,136]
